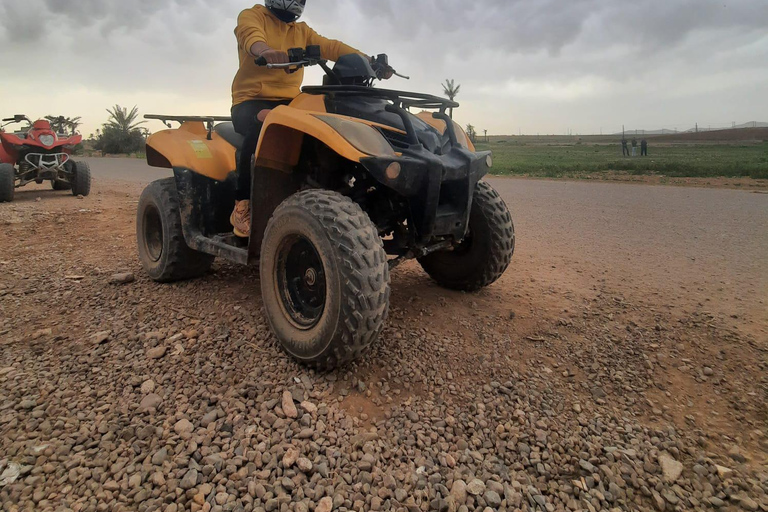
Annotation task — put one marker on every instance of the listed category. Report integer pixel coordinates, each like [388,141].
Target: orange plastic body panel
[283,132]
[189,147]
[311,102]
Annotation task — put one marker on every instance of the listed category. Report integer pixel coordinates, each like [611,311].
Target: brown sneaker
[241,219]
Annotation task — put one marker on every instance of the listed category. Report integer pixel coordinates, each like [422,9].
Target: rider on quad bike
[267,32]
[349,181]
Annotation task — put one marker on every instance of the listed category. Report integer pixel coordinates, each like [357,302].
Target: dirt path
[632,327]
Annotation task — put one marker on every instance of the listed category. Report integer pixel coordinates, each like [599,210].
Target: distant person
[643,147]
[634,147]
[624,147]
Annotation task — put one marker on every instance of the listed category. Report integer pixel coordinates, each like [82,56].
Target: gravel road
[622,363]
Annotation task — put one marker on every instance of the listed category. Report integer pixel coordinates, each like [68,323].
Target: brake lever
[401,76]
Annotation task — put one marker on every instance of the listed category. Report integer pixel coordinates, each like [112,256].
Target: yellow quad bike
[347,184]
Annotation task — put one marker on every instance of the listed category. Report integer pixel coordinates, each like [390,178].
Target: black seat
[227,132]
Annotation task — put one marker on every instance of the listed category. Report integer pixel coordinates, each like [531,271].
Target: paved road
[707,245]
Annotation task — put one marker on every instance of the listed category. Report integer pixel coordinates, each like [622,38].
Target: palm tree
[471,133]
[73,123]
[122,120]
[451,90]
[61,124]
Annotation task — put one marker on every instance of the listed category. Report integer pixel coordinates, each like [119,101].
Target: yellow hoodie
[258,24]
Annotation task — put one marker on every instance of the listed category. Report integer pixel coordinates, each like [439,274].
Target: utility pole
[697,127]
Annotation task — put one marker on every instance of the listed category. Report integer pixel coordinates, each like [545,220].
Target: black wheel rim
[301,282]
[153,233]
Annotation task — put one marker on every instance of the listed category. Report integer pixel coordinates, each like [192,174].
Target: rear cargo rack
[208,121]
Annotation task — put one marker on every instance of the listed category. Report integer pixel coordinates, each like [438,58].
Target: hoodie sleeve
[331,49]
[250,29]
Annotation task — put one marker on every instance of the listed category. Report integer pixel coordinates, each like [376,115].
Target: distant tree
[61,124]
[122,133]
[472,133]
[451,90]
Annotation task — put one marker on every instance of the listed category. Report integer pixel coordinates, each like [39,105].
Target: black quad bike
[347,183]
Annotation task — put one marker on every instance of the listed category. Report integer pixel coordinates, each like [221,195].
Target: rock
[10,474]
[476,487]
[209,418]
[157,352]
[459,491]
[148,386]
[289,408]
[183,426]
[290,457]
[122,278]
[151,401]
[716,502]
[325,505]
[309,407]
[708,371]
[304,465]
[748,503]
[101,337]
[577,408]
[42,333]
[670,468]
[160,456]
[492,498]
[189,480]
[587,466]
[723,472]
[735,454]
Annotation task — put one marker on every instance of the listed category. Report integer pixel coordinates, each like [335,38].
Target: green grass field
[558,159]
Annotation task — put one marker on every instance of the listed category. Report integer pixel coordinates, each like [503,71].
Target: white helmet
[287,10]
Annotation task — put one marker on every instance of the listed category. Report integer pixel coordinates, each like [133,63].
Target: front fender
[283,134]
[188,147]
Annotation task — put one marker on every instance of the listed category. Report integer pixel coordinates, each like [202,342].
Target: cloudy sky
[543,66]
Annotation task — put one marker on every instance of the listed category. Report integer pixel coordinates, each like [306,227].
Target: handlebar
[299,58]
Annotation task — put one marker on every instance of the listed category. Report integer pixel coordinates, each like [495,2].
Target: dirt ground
[632,319]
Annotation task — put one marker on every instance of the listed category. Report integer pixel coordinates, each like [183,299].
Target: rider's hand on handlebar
[275,57]
[382,68]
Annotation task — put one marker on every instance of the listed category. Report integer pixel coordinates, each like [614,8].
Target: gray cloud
[547,60]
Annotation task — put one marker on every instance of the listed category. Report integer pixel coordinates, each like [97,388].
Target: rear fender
[189,147]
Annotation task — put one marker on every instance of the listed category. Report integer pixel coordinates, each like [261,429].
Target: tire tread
[363,267]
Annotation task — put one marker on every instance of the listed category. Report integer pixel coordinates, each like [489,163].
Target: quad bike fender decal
[286,121]
[189,148]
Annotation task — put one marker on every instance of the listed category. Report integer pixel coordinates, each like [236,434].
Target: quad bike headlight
[363,137]
[47,140]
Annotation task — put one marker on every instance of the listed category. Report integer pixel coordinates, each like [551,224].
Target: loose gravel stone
[670,468]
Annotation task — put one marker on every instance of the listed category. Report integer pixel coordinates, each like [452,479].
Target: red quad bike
[39,154]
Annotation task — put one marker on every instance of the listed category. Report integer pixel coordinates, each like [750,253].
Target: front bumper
[439,188]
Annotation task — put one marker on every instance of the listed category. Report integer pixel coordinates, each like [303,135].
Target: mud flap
[269,188]
[205,206]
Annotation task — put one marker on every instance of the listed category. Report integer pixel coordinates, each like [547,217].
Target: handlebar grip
[261,61]
[9,119]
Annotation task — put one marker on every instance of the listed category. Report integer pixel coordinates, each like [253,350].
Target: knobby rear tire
[163,252]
